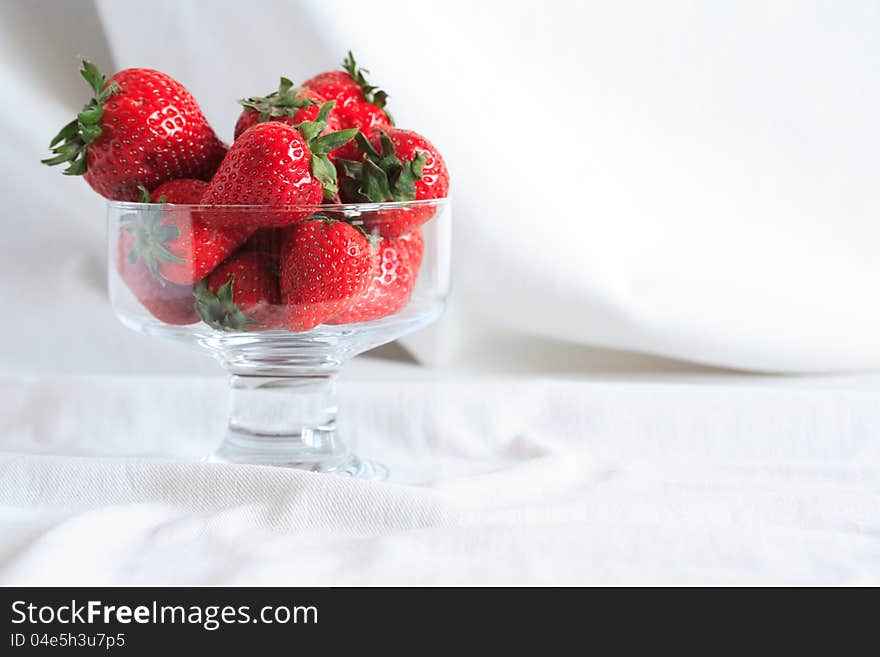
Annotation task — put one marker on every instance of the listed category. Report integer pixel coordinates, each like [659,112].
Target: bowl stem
[289,421]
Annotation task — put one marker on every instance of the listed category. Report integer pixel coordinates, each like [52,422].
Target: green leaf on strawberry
[71,142]
[219,310]
[372,93]
[284,102]
[150,236]
[381,176]
[320,146]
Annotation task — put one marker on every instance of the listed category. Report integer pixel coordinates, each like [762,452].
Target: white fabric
[700,183]
[684,480]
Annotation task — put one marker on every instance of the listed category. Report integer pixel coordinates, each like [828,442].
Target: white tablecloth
[671,479]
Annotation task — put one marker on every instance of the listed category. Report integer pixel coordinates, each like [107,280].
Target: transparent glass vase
[282,374]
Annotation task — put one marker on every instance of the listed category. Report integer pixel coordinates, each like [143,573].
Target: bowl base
[361,468]
[352,466]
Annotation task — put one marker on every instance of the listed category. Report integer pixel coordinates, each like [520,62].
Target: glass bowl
[281,297]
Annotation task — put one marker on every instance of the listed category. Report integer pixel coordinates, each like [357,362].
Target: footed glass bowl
[282,297]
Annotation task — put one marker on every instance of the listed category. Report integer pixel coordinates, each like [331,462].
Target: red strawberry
[325,265]
[184,191]
[389,291]
[358,103]
[142,128]
[241,294]
[274,164]
[348,84]
[175,243]
[172,304]
[335,85]
[290,105]
[397,165]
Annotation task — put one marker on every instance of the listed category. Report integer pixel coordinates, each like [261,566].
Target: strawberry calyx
[72,141]
[219,310]
[150,235]
[320,145]
[381,176]
[283,102]
[372,93]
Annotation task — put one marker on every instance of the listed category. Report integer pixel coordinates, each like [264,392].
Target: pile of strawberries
[287,258]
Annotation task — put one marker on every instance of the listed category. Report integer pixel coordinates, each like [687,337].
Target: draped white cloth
[685,180]
[494,482]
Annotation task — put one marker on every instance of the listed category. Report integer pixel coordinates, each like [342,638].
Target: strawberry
[241,294]
[399,260]
[274,164]
[335,85]
[175,243]
[397,165]
[184,191]
[325,265]
[359,104]
[168,302]
[290,105]
[172,304]
[141,128]
[345,85]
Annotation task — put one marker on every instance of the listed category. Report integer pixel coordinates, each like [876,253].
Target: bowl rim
[311,207]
